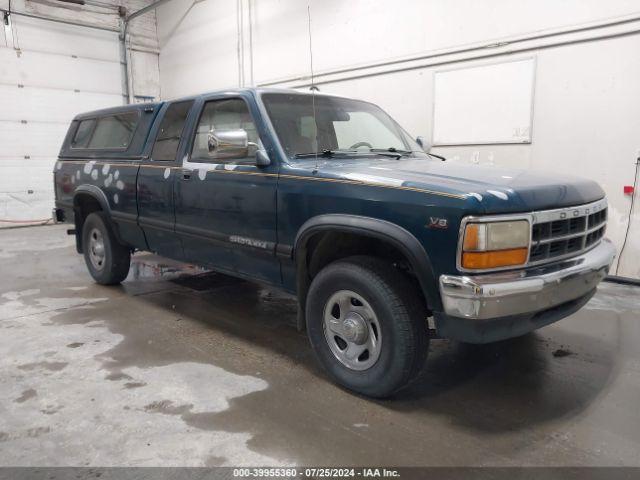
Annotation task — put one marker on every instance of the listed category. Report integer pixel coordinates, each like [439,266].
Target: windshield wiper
[325,153]
[404,152]
[391,150]
[385,152]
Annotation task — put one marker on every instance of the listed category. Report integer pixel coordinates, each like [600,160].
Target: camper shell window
[83,133]
[109,132]
[114,132]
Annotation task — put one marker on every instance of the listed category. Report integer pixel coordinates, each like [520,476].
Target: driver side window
[220,116]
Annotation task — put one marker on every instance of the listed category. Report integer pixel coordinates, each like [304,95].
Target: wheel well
[325,247]
[83,205]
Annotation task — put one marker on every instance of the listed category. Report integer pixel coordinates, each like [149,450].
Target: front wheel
[367,325]
[108,261]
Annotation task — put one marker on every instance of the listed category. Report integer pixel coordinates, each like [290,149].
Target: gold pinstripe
[284,176]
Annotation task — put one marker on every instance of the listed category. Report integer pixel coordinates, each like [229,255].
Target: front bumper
[555,289]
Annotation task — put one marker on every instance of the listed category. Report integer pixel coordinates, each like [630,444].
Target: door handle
[186,174]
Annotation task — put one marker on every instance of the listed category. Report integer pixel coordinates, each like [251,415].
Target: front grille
[563,233]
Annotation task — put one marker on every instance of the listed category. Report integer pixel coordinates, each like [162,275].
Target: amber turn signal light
[472,237]
[495,259]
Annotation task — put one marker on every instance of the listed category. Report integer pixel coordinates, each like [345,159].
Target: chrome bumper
[532,290]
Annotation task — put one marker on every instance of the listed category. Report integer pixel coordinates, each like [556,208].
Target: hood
[496,190]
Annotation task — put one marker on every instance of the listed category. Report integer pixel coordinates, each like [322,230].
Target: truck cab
[330,199]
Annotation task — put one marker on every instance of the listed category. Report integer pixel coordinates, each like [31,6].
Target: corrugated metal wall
[50,72]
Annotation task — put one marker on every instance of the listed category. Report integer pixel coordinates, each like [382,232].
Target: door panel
[199,207]
[156,209]
[226,207]
[156,183]
[226,217]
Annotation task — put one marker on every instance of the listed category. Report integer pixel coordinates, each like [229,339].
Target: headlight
[495,244]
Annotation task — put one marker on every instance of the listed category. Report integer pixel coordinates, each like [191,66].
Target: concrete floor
[171,369]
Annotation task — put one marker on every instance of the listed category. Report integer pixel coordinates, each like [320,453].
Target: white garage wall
[587,94]
[50,72]
[585,123]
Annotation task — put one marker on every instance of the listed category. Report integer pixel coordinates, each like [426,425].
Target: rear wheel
[108,261]
[367,325]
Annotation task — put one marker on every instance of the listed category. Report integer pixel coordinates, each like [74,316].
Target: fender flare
[100,196]
[383,230]
[96,193]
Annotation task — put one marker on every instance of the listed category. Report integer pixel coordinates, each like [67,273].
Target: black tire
[399,312]
[114,267]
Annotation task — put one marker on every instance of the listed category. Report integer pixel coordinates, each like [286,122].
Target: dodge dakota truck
[385,245]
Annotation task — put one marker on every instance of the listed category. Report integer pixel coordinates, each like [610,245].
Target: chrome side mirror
[235,144]
[228,143]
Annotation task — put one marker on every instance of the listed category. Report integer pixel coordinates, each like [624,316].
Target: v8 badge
[439,223]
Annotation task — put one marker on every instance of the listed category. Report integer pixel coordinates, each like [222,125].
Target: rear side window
[168,139]
[83,133]
[114,131]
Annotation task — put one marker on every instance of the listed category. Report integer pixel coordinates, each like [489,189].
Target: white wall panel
[32,138]
[361,31]
[20,176]
[35,35]
[34,206]
[60,72]
[589,124]
[345,34]
[45,105]
[200,55]
[64,70]
[49,74]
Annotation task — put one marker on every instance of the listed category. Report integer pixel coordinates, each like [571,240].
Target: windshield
[343,126]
